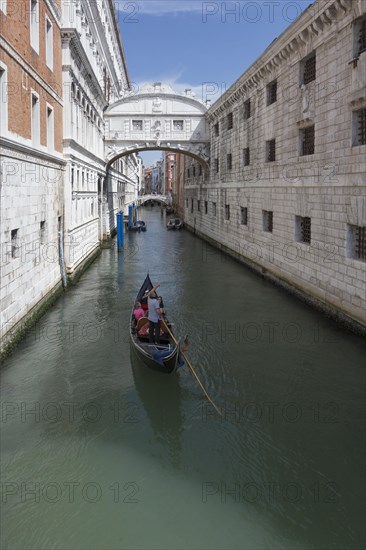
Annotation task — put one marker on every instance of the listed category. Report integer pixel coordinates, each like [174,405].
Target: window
[356,242]
[137,125]
[198,205]
[200,169]
[191,206]
[42,231]
[50,130]
[194,171]
[216,129]
[307,136]
[14,243]
[49,43]
[268,221]
[230,121]
[35,119]
[92,208]
[244,215]
[3,100]
[188,173]
[359,127]
[229,161]
[246,155]
[214,208]
[186,203]
[271,150]
[359,37]
[272,92]
[178,125]
[34,25]
[303,229]
[216,164]
[308,69]
[206,207]
[247,108]
[227,212]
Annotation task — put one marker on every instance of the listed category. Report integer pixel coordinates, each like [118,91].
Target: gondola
[174,223]
[140,337]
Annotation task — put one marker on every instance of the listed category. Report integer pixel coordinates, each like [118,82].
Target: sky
[197,44]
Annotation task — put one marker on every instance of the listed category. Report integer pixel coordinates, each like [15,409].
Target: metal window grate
[205,207]
[362,37]
[246,156]
[310,69]
[214,208]
[361,127]
[227,211]
[305,230]
[216,129]
[272,92]
[308,140]
[199,205]
[244,215]
[217,165]
[229,161]
[271,152]
[268,221]
[230,121]
[360,243]
[247,108]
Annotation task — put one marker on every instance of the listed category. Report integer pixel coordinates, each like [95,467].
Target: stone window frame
[356,242]
[50,127]
[217,129]
[140,125]
[206,207]
[42,231]
[214,208]
[359,125]
[178,129]
[198,205]
[267,221]
[357,26]
[246,156]
[303,229]
[227,212]
[229,161]
[272,92]
[192,206]
[230,120]
[35,122]
[304,146]
[216,165]
[243,215]
[14,240]
[49,42]
[247,109]
[270,153]
[305,78]
[3,98]
[34,24]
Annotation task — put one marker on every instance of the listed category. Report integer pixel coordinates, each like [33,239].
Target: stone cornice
[312,22]
[27,153]
[76,146]
[28,69]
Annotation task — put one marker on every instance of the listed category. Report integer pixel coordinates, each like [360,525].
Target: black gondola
[140,338]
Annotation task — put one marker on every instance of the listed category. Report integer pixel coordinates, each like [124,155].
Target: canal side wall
[325,188]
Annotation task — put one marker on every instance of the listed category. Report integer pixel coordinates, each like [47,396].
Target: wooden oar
[193,371]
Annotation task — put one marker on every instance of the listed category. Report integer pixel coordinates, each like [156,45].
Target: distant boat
[174,223]
[140,337]
[138,226]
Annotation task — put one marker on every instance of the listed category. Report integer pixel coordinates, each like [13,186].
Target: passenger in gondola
[154,316]
[138,311]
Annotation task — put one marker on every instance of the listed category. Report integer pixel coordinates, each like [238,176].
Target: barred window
[229,161]
[227,211]
[191,206]
[206,207]
[271,150]
[268,221]
[309,69]
[217,129]
[188,173]
[272,92]
[198,205]
[247,109]
[214,208]
[137,125]
[356,242]
[246,156]
[194,171]
[216,164]
[244,215]
[230,121]
[186,203]
[200,169]
[307,140]
[303,229]
[14,243]
[359,39]
[359,127]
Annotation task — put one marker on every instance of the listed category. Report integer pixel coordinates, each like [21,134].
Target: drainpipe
[61,254]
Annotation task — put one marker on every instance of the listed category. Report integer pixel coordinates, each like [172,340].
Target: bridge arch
[157,118]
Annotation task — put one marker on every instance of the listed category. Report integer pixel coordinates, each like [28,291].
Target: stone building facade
[286,192]
[32,163]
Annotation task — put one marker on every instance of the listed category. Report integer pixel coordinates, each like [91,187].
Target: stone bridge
[156,117]
[163,199]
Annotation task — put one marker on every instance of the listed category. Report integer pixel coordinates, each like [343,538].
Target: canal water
[98,453]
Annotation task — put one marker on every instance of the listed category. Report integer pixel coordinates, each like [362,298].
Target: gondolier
[154,315]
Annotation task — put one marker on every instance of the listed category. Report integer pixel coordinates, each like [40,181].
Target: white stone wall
[327,186]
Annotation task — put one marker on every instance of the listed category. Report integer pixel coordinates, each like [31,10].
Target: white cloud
[163,7]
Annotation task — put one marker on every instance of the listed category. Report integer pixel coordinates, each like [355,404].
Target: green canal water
[98,453]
